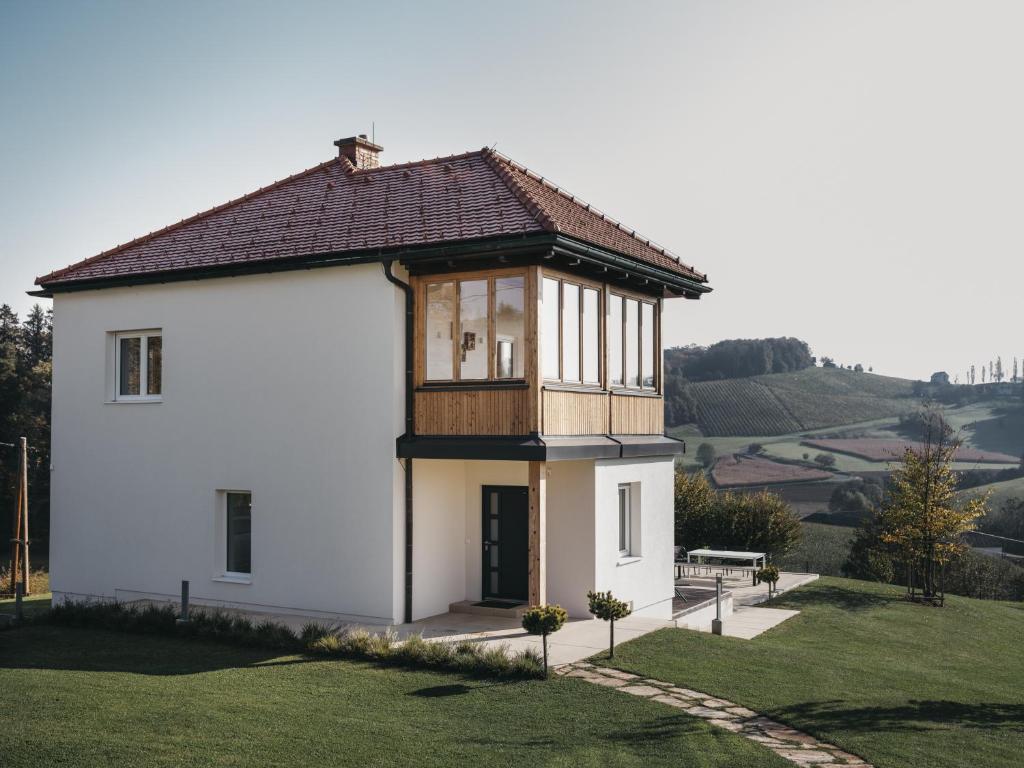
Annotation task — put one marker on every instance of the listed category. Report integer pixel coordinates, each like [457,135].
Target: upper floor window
[138,365]
[571,327]
[632,343]
[475,329]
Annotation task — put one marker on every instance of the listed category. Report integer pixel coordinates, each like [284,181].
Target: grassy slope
[900,684]
[790,402]
[98,699]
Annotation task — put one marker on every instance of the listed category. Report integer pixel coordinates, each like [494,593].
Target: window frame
[144,337]
[226,573]
[655,304]
[582,286]
[491,341]
[625,519]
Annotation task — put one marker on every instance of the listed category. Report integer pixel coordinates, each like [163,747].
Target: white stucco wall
[571,561]
[646,580]
[447,520]
[288,385]
[582,532]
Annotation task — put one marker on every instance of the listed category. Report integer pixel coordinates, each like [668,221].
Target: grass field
[785,403]
[823,549]
[740,470]
[897,683]
[94,698]
[886,450]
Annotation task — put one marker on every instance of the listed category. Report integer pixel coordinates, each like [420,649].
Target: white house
[369,393]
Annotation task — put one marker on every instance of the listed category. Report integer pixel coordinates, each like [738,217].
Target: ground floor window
[625,521]
[238,528]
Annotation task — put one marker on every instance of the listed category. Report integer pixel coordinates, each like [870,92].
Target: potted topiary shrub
[543,620]
[770,575]
[607,608]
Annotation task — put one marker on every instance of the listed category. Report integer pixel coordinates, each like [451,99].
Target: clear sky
[851,173]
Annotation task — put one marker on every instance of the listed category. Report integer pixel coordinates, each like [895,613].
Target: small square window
[138,366]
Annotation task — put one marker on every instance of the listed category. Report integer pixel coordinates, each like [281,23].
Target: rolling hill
[783,403]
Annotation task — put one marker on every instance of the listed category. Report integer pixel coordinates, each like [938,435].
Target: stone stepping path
[795,746]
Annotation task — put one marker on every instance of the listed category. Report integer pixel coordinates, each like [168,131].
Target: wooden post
[23,444]
[16,537]
[537,541]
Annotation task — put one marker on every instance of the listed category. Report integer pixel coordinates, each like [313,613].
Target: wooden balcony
[507,411]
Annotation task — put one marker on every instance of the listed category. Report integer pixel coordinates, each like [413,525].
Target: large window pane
[130,362]
[154,364]
[570,332]
[239,525]
[473,329]
[549,328]
[440,319]
[647,347]
[632,343]
[614,333]
[591,328]
[509,342]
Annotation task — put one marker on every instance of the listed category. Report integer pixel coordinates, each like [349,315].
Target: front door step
[507,609]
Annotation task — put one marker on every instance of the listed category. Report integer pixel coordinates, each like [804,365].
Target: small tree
[769,575]
[825,460]
[755,449]
[923,517]
[543,620]
[706,454]
[607,608]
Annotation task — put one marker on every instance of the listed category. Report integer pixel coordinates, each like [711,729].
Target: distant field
[875,449]
[784,403]
[740,470]
[823,549]
[1008,489]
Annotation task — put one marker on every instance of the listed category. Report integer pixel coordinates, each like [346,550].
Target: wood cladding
[473,412]
[575,413]
[637,415]
[486,411]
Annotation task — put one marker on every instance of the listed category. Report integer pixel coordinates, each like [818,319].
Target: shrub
[607,608]
[825,460]
[543,620]
[706,454]
[762,521]
[769,574]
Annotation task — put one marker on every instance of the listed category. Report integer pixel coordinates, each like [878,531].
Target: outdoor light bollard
[19,609]
[184,603]
[716,624]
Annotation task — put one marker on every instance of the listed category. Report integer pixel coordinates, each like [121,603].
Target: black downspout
[410,431]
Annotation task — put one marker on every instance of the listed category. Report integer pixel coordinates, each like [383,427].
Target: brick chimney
[362,152]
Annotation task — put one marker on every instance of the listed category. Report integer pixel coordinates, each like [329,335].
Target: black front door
[505,540]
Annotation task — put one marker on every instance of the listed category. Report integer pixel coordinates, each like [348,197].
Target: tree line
[729,359]
[26,348]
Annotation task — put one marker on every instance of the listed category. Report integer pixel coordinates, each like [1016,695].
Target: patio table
[726,554]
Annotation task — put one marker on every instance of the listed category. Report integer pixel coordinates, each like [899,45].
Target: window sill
[135,401]
[558,386]
[635,392]
[453,386]
[627,560]
[233,578]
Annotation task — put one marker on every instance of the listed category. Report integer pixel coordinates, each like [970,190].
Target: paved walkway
[795,746]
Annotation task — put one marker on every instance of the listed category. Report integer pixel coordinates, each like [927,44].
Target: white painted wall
[288,385]
[647,579]
[447,522]
[571,560]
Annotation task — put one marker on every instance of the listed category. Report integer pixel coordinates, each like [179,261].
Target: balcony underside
[537,448]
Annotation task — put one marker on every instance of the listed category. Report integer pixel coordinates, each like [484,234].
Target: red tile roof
[333,208]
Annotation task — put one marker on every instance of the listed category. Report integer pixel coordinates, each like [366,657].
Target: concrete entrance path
[577,640]
[795,746]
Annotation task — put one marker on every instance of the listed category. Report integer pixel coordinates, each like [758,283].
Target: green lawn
[897,683]
[94,698]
